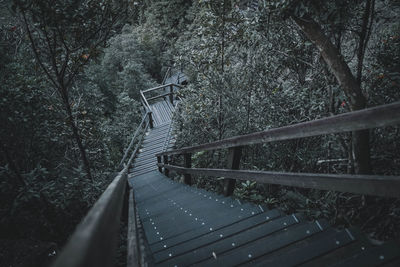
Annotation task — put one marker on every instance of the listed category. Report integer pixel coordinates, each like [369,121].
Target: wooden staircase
[171,223]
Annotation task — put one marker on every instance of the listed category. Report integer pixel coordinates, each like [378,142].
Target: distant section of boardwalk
[184,225]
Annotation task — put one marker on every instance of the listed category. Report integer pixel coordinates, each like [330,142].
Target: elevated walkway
[187,226]
[171,223]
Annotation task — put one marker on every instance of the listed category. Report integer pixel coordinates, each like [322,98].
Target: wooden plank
[307,249]
[380,116]
[134,173]
[387,186]
[374,256]
[214,236]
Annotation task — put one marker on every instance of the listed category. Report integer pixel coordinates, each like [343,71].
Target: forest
[71,72]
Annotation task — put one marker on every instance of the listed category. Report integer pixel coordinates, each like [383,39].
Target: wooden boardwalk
[184,225]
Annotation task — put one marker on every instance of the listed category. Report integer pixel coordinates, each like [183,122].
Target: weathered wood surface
[186,226]
[161,87]
[387,186]
[162,112]
[380,116]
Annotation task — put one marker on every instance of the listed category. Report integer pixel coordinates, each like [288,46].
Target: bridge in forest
[172,223]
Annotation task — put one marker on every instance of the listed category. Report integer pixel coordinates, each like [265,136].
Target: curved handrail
[161,87]
[166,75]
[94,241]
[380,116]
[132,140]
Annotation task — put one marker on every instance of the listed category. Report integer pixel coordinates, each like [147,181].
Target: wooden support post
[166,171]
[171,96]
[188,164]
[159,161]
[234,155]
[151,120]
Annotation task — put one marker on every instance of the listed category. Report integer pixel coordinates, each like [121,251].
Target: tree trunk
[364,37]
[350,86]
[75,132]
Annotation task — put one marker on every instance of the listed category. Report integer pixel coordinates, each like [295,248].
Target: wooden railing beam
[376,185]
[159,96]
[380,116]
[120,166]
[162,87]
[146,104]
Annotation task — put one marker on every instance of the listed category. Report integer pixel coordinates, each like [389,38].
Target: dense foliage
[71,71]
[44,187]
[255,69]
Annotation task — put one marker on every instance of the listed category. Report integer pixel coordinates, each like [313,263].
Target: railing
[380,116]
[167,74]
[170,94]
[94,241]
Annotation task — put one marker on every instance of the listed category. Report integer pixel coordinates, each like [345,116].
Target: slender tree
[64,35]
[303,16]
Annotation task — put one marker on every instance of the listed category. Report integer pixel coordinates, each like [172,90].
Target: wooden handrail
[94,241]
[147,106]
[159,96]
[387,186]
[166,75]
[379,116]
[132,140]
[162,87]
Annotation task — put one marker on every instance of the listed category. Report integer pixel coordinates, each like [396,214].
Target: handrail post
[188,164]
[234,155]
[166,171]
[159,161]
[150,120]
[171,96]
